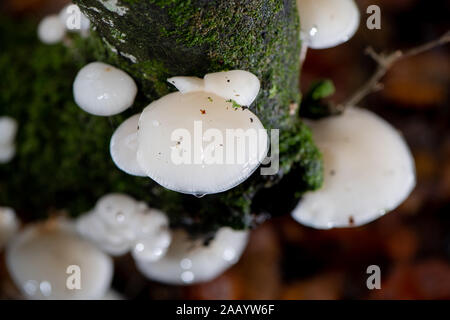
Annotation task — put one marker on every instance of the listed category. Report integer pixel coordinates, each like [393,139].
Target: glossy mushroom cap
[51,30]
[103,90]
[368,170]
[39,260]
[183,144]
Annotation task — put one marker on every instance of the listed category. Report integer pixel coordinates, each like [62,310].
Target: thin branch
[384,63]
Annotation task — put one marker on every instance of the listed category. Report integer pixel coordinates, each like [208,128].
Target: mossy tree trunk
[153,40]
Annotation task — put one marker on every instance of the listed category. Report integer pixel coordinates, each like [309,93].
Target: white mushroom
[9,225]
[327,23]
[199,142]
[189,261]
[368,170]
[50,261]
[71,15]
[123,147]
[51,30]
[8,131]
[119,223]
[103,90]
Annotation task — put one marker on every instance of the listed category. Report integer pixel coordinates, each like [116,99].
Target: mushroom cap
[123,147]
[51,30]
[116,208]
[103,90]
[8,130]
[9,225]
[368,171]
[166,131]
[38,259]
[328,23]
[188,261]
[7,152]
[238,85]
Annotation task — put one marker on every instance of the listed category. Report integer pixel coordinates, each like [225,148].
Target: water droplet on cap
[30,287]
[187,277]
[46,288]
[313,31]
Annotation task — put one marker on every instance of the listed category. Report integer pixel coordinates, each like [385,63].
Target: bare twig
[384,63]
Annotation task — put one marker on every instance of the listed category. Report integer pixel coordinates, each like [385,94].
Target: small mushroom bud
[327,23]
[50,261]
[123,147]
[368,170]
[51,30]
[103,90]
[9,225]
[190,261]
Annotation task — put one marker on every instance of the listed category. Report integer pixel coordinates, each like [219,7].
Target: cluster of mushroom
[53,28]
[119,223]
[144,144]
[49,260]
[8,131]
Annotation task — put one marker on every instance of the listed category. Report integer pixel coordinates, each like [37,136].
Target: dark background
[285,260]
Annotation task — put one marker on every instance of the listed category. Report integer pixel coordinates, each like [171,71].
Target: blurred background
[285,260]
